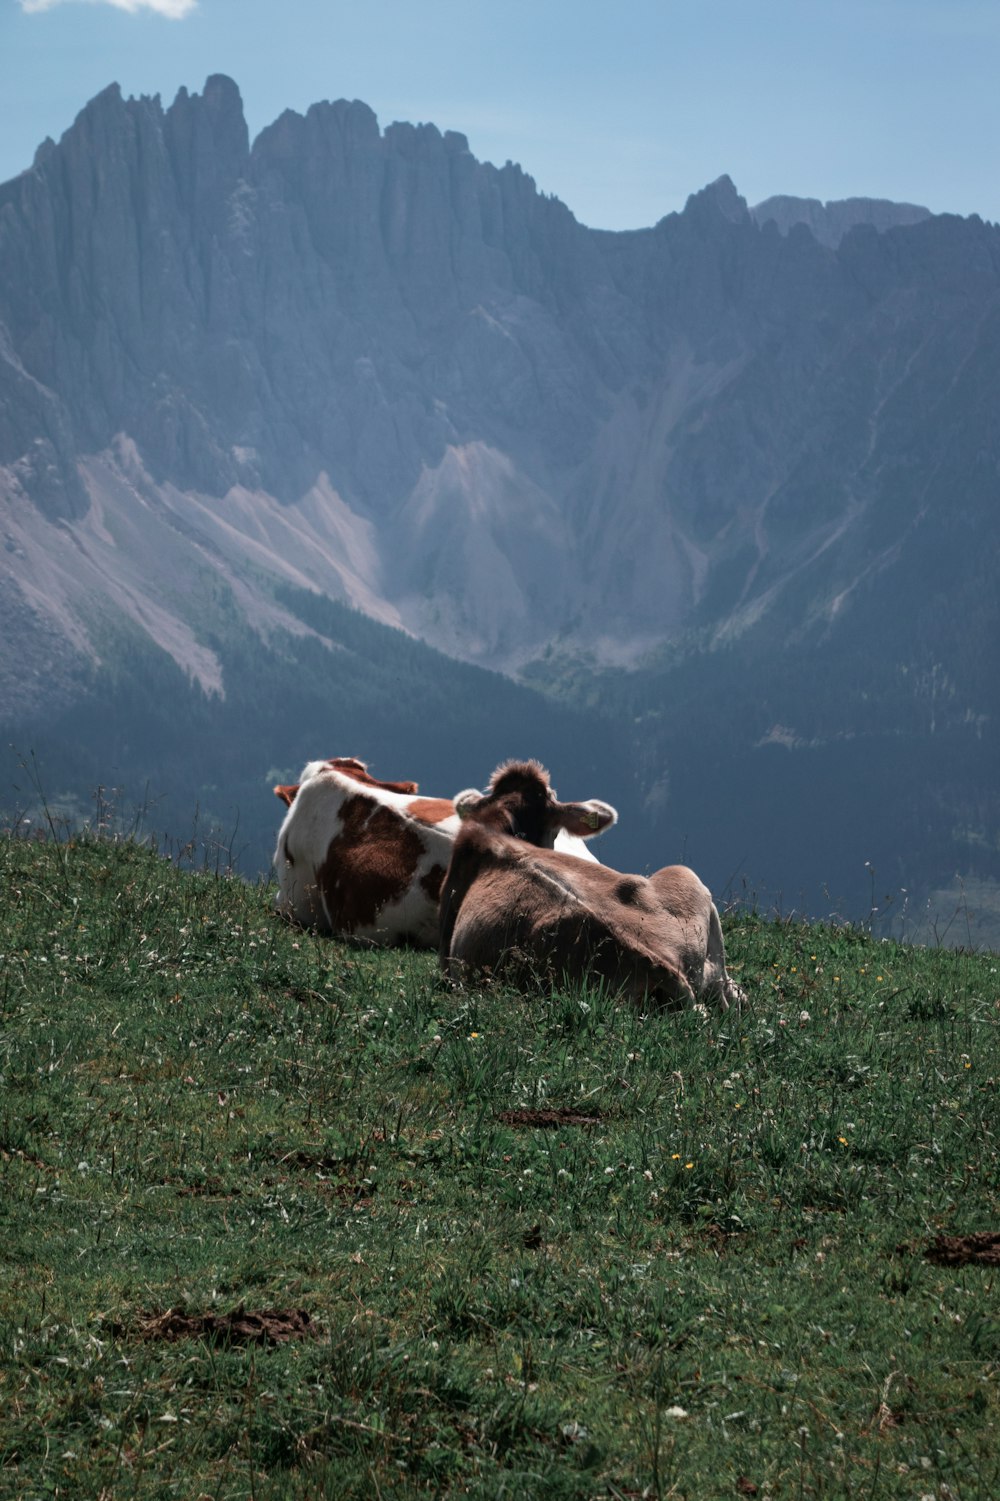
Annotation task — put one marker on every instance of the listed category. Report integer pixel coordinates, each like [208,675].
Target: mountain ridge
[474,338]
[828,222]
[359,362]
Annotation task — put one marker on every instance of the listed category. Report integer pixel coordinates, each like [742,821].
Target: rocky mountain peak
[720,198]
[208,141]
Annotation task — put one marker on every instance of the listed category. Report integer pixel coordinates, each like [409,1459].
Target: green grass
[718,1285]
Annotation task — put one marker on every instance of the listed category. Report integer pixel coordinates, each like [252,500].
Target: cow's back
[693,927]
[538,917]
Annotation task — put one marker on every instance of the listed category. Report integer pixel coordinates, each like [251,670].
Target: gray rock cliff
[496,427]
[829,222]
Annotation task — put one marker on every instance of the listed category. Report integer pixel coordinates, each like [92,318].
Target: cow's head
[351,767]
[348,766]
[521,802]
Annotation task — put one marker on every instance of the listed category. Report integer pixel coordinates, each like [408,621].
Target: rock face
[362,362]
[829,222]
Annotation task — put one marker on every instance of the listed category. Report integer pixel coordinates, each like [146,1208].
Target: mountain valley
[299,436]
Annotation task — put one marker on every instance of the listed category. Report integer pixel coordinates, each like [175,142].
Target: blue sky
[619,109]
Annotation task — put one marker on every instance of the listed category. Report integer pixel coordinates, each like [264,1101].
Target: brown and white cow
[364,858]
[530,914]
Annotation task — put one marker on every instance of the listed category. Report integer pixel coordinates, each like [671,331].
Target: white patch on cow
[312,824]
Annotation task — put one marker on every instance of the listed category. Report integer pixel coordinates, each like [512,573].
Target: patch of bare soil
[241,1327]
[25,1157]
[549,1118]
[211,1188]
[330,1167]
[980,1248]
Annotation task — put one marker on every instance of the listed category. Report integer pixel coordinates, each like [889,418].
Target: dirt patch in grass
[549,1118]
[330,1167]
[241,1327]
[212,1188]
[981,1247]
[10,1154]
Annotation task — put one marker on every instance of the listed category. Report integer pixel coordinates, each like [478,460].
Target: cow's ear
[587,819]
[466,801]
[287,794]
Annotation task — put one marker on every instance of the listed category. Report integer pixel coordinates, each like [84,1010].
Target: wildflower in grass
[675,1157]
[473,1036]
[688,1166]
[842,1140]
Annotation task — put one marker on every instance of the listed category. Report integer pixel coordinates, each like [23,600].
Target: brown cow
[530,914]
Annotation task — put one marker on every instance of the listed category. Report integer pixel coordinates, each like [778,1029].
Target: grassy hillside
[478,1244]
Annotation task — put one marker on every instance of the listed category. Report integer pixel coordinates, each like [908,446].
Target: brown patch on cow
[432,881]
[269,1326]
[287,794]
[549,1118]
[358,772]
[431,809]
[980,1248]
[369,864]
